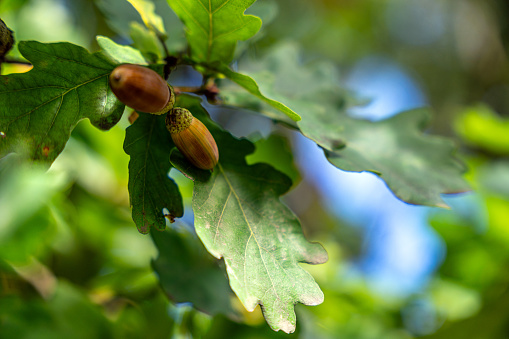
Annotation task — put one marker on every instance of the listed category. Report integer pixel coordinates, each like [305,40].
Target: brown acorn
[142,89]
[192,138]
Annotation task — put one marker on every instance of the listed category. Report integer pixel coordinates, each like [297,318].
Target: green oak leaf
[276,151]
[154,22]
[120,54]
[417,167]
[120,18]
[252,87]
[215,26]
[188,273]
[151,190]
[146,42]
[239,217]
[267,11]
[40,108]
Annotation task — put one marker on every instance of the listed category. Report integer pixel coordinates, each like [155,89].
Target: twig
[209,90]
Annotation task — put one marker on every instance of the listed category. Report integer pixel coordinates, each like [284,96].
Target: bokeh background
[72,263]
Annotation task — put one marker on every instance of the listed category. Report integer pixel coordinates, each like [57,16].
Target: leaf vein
[221,216]
[192,17]
[221,6]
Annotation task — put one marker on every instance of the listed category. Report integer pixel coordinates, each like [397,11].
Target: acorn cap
[192,138]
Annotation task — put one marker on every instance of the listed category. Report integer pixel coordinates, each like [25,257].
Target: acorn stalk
[141,88]
[192,138]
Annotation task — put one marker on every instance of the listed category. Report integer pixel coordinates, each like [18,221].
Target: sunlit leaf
[26,223]
[215,26]
[120,15]
[147,12]
[41,107]
[120,54]
[239,217]
[276,151]
[479,126]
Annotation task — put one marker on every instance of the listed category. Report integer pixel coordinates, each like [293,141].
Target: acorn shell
[142,89]
[192,138]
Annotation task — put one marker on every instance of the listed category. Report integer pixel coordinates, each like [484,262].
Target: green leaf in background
[147,12]
[27,224]
[239,217]
[189,274]
[489,323]
[11,5]
[41,107]
[417,167]
[494,177]
[251,86]
[146,41]
[276,151]
[215,26]
[267,11]
[120,54]
[481,127]
[68,313]
[151,190]
[120,15]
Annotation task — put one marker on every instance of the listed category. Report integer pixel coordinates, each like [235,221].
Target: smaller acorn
[142,89]
[192,138]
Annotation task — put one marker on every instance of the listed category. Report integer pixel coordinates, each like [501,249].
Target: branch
[209,90]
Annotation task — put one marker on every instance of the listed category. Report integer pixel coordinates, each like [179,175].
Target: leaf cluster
[238,213]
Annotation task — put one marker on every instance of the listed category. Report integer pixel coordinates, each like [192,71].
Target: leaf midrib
[252,235]
[210,34]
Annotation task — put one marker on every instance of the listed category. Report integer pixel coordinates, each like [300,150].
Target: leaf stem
[170,61]
[209,89]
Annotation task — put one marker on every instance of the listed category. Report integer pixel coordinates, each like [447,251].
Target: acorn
[192,138]
[142,89]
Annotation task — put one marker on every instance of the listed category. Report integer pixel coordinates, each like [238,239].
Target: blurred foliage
[72,263]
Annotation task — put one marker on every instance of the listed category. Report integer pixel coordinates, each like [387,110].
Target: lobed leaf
[151,190]
[417,167]
[239,217]
[215,26]
[40,108]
